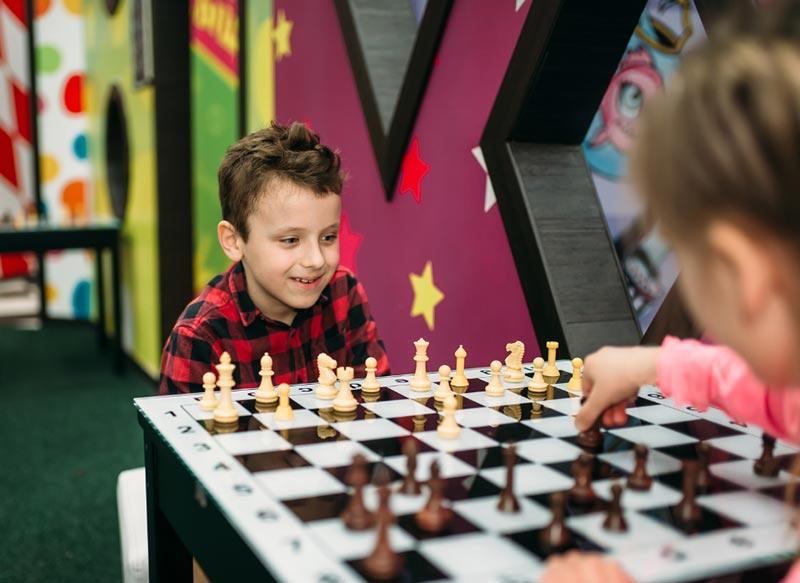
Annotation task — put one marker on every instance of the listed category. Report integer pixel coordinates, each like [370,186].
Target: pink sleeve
[698,374]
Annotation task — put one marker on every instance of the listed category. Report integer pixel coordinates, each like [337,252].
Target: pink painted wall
[483,306]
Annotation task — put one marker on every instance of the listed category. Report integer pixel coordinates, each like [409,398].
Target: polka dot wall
[61,65]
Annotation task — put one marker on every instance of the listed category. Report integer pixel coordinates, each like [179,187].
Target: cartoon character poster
[666,29]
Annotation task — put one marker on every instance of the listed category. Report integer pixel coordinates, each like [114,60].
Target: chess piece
[410,485]
[459,380]
[344,401]
[326,389]
[495,386]
[434,516]
[284,411]
[538,385]
[356,516]
[370,384]
[615,517]
[592,438]
[582,492]
[419,423]
[444,390]
[639,479]
[576,380]
[703,473]
[767,465]
[507,501]
[555,535]
[421,382]
[266,392]
[383,563]
[209,401]
[514,372]
[225,411]
[448,428]
[551,372]
[688,511]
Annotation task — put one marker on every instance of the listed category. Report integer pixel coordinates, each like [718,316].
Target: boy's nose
[313,257]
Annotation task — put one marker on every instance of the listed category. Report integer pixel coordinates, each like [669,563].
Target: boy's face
[292,249]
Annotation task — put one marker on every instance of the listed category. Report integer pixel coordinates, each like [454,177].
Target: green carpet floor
[68,428]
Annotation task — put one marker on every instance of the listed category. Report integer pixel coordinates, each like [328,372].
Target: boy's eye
[330,237]
[289,240]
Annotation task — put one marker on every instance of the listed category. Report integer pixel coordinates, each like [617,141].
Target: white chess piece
[448,428]
[459,380]
[225,411]
[551,372]
[420,382]
[265,393]
[444,390]
[514,372]
[209,401]
[326,389]
[495,386]
[538,385]
[344,401]
[370,384]
[576,380]
[284,411]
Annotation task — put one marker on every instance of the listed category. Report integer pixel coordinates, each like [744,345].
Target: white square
[741,472]
[480,556]
[658,496]
[410,393]
[547,450]
[196,412]
[481,417]
[643,532]
[398,408]
[750,508]
[561,426]
[348,544]
[300,418]
[467,439]
[399,503]
[249,442]
[747,446]
[568,406]
[335,453]
[529,479]
[659,415]
[484,513]
[508,398]
[366,429]
[449,466]
[657,462]
[310,401]
[652,436]
[302,482]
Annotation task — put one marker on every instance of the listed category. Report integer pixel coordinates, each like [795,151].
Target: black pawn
[555,536]
[410,485]
[639,478]
[687,512]
[592,438]
[582,492]
[615,518]
[383,563]
[356,516]
[435,515]
[703,473]
[507,502]
[767,465]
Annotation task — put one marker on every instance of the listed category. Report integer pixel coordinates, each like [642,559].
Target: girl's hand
[612,377]
[583,567]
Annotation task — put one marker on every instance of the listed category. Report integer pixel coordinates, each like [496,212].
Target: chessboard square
[480,417]
[399,503]
[410,393]
[399,408]
[561,426]
[657,496]
[749,508]
[568,406]
[199,414]
[741,472]
[659,415]
[318,507]
[334,453]
[251,442]
[547,450]
[509,432]
[301,418]
[480,557]
[449,466]
[467,439]
[483,512]
[272,460]
[311,402]
[348,544]
[366,429]
[657,462]
[652,436]
[642,531]
[309,435]
[529,479]
[747,446]
[508,398]
[299,483]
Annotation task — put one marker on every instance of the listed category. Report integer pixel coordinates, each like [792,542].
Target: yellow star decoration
[426,294]
[282,34]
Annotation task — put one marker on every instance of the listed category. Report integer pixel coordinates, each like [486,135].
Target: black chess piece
[410,485]
[383,563]
[688,512]
[615,517]
[767,465]
[356,516]
[582,492]
[555,536]
[703,473]
[434,516]
[639,479]
[592,438]
[507,501]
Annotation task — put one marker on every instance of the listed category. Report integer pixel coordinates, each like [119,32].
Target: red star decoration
[412,171]
[349,242]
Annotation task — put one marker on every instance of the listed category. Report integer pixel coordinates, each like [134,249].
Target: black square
[509,432]
[378,472]
[415,568]
[318,507]
[272,460]
[457,525]
[531,540]
[418,423]
[464,487]
[481,459]
[702,429]
[709,520]
[389,446]
[309,435]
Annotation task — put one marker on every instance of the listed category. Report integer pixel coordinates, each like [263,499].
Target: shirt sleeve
[793,576]
[362,333]
[697,374]
[185,359]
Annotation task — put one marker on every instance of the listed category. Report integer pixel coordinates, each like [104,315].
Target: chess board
[282,484]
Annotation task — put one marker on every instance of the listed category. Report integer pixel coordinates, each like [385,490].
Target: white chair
[132,513]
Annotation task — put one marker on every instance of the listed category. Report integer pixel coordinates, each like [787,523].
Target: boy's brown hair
[277,152]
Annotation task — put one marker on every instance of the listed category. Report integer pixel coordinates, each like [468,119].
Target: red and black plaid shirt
[224,318]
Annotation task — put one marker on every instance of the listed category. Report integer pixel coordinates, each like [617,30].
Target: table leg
[117,299]
[102,339]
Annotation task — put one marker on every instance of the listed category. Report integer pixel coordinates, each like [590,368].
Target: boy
[285,293]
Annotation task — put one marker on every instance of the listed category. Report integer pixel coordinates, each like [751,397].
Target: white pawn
[448,428]
[326,389]
[209,401]
[265,393]
[420,382]
[538,384]
[344,401]
[284,411]
[444,390]
[576,380]
[495,387]
[370,384]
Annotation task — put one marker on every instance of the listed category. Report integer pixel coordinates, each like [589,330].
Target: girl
[718,166]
